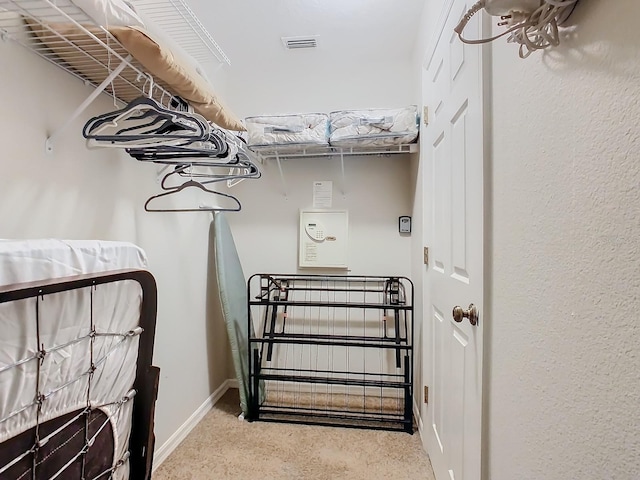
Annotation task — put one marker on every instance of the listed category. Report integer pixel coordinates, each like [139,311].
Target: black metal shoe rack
[331,350]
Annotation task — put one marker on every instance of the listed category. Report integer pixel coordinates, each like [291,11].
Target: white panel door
[452,147]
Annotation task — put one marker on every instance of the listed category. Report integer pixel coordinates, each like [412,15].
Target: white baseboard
[418,417]
[179,435]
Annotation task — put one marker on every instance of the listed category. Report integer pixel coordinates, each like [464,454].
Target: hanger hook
[144,85]
[148,81]
[162,97]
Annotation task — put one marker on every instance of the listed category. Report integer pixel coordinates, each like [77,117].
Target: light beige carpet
[223,447]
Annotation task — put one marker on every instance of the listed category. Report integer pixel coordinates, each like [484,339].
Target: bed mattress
[32,260]
[50,363]
[374,127]
[302,129]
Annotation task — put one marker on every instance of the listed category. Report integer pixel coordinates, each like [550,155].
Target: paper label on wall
[310,253]
[322,194]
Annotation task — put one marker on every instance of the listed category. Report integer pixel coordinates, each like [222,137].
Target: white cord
[543,32]
[532,30]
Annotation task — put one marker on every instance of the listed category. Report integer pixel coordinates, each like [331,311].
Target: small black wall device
[404,224]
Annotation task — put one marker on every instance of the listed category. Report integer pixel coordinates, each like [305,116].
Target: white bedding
[32,260]
[111,13]
[375,127]
[65,317]
[302,129]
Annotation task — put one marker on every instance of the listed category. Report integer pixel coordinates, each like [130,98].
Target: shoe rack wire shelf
[92,54]
[331,350]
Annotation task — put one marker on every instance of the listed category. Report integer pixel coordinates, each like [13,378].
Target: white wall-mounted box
[323,238]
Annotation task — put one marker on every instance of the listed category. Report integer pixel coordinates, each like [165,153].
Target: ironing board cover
[232,288]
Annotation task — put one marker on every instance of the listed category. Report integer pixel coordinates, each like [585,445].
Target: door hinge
[426,256]
[425,115]
[426,394]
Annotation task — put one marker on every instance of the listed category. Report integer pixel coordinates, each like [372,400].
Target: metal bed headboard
[141,444]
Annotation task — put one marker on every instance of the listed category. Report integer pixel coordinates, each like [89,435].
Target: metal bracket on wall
[320,151]
[83,106]
[284,183]
[343,184]
[278,160]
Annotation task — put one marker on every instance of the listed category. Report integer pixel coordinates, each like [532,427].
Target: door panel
[459,195]
[453,154]
[440,202]
[456,401]
[436,420]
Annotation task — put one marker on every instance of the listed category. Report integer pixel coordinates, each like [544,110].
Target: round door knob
[460,314]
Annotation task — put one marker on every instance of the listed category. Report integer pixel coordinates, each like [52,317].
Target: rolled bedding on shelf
[301,129]
[374,127]
[110,13]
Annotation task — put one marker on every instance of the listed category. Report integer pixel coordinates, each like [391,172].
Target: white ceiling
[250,31]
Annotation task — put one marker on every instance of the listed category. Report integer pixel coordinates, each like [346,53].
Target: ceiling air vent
[300,42]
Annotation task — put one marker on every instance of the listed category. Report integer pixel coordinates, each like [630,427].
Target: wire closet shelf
[281,152]
[64,35]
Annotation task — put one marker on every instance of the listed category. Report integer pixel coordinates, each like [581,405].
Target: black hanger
[166,125]
[213,146]
[187,126]
[193,183]
[251,171]
[190,170]
[217,145]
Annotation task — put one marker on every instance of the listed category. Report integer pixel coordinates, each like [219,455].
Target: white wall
[564,381]
[377,193]
[300,84]
[91,194]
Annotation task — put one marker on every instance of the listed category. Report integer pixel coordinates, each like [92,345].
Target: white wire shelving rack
[278,153]
[177,21]
[61,33]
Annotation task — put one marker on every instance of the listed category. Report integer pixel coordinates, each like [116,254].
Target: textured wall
[564,334]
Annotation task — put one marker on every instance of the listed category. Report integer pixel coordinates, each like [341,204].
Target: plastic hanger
[182,155]
[159,124]
[150,142]
[189,126]
[242,163]
[136,106]
[214,146]
[233,174]
[188,184]
[200,171]
[175,158]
